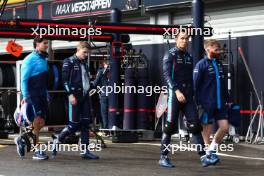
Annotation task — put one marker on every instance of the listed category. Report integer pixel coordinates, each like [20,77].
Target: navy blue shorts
[208,116]
[40,105]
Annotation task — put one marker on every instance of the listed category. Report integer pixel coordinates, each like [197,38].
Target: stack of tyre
[58,100]
[7,96]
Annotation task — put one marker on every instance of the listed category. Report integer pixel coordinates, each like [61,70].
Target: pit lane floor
[131,159]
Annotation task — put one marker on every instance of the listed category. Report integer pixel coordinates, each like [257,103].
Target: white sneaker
[115,128]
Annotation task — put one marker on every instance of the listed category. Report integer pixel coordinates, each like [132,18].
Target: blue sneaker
[206,161]
[165,162]
[214,158]
[20,143]
[39,155]
[209,159]
[88,155]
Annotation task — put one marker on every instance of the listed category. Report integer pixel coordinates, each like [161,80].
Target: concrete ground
[131,159]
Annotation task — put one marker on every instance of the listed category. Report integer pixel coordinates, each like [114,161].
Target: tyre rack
[5,111]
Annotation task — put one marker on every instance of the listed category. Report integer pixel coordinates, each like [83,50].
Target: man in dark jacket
[102,80]
[34,79]
[177,71]
[75,76]
[211,96]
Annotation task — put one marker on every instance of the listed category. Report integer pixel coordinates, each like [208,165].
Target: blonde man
[211,97]
[75,77]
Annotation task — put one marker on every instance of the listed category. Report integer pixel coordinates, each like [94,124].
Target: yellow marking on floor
[3,146]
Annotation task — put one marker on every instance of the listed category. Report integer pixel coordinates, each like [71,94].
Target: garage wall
[248,21]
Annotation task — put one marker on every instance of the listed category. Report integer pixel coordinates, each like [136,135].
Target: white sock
[212,147]
[207,151]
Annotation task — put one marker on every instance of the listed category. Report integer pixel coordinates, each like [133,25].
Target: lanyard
[217,84]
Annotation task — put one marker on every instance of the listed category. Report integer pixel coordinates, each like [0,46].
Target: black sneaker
[20,143]
[55,144]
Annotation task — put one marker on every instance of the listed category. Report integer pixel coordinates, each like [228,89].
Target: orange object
[40,10]
[14,48]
